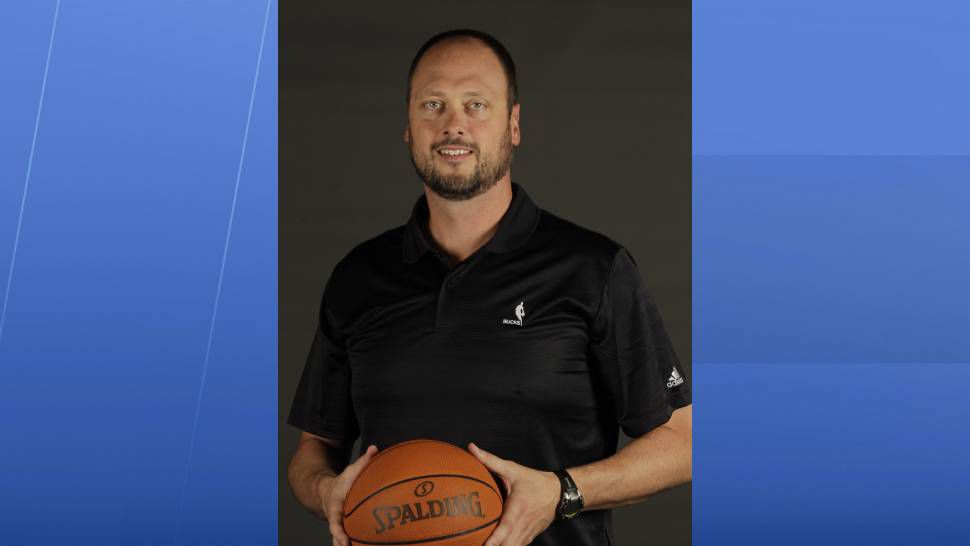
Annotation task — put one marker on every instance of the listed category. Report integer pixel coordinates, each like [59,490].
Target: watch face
[572,501]
[572,504]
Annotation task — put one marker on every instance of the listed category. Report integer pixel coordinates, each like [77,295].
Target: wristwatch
[570,500]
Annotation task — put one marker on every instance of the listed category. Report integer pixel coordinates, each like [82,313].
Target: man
[490,323]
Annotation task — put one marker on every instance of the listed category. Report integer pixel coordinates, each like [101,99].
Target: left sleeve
[633,355]
[322,404]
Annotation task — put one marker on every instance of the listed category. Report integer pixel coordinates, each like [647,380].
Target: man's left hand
[531,504]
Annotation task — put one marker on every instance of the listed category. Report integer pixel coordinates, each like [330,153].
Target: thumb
[354,469]
[365,458]
[492,462]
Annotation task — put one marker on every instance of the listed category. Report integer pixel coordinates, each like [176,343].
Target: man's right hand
[333,490]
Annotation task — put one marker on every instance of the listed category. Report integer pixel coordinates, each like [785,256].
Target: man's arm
[658,460]
[320,478]
[315,464]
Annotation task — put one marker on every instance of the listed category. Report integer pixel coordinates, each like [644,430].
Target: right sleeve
[635,357]
[322,404]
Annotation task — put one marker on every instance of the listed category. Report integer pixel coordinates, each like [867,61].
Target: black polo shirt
[538,347]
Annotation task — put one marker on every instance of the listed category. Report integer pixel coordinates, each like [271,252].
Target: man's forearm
[658,460]
[313,464]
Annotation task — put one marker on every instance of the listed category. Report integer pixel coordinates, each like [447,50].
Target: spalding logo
[388,517]
[424,489]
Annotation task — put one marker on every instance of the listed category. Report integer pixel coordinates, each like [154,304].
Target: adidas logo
[674,379]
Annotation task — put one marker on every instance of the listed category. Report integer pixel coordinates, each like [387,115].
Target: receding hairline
[499,52]
[453,41]
[459,38]
[429,88]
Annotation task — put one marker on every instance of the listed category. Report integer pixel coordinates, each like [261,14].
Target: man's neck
[461,227]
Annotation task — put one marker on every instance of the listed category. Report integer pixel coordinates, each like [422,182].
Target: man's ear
[407,134]
[514,126]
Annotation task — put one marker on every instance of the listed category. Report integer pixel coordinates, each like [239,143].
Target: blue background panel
[24,38]
[138,350]
[813,77]
[138,354]
[833,258]
[831,310]
[831,453]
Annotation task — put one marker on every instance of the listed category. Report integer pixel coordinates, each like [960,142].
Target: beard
[489,169]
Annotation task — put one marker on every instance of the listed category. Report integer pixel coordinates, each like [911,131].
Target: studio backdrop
[605,119]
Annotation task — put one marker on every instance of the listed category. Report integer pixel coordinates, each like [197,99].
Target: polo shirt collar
[514,229]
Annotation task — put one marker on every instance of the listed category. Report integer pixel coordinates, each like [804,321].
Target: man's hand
[530,508]
[333,490]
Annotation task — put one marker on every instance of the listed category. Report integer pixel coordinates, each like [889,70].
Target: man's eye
[432,105]
[477,106]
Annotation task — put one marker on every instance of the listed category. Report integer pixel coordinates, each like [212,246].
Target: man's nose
[455,124]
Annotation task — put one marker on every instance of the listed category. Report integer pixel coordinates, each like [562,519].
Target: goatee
[457,187]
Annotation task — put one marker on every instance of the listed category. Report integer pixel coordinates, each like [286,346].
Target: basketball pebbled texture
[422,492]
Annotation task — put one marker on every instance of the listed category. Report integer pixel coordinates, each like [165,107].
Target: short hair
[504,57]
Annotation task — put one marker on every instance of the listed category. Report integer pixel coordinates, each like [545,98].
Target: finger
[492,462]
[348,477]
[337,530]
[366,456]
[508,525]
[504,468]
[499,535]
[518,536]
[354,470]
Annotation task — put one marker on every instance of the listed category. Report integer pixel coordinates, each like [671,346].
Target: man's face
[460,130]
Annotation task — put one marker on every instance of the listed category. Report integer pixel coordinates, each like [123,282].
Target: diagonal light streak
[30,165]
[222,270]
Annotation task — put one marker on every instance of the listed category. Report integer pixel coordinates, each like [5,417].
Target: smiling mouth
[455,156]
[454,152]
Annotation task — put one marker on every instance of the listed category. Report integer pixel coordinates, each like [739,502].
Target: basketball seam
[365,499]
[425,540]
[402,444]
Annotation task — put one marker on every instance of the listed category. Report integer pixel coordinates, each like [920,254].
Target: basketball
[422,492]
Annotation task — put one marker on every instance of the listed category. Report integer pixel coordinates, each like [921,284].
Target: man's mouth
[451,153]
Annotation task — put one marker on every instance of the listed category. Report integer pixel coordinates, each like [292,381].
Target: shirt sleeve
[634,357]
[322,404]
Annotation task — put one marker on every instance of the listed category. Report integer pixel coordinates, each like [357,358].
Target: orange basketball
[422,492]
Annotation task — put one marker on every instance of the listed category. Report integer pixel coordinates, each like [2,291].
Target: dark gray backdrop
[605,117]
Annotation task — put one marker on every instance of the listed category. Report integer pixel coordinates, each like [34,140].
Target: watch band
[570,499]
